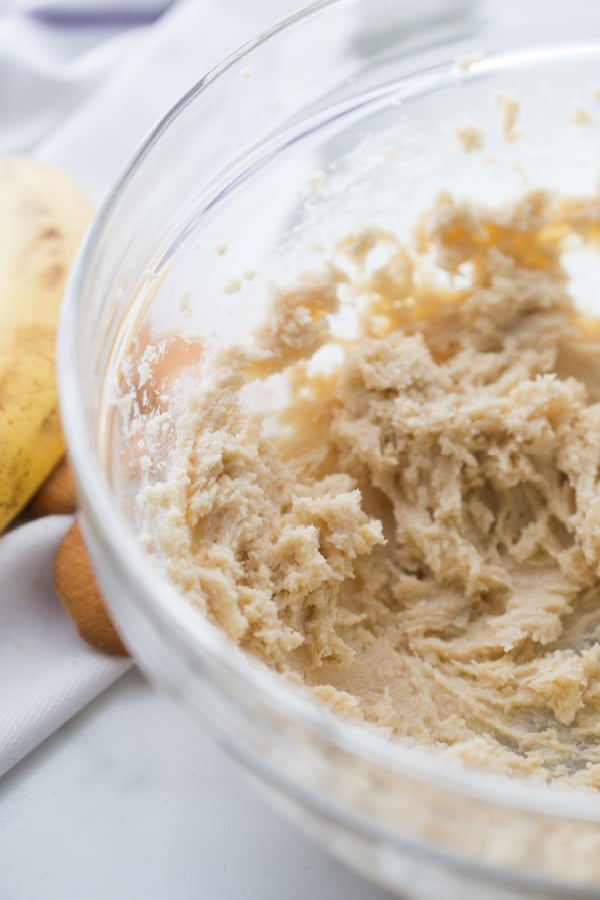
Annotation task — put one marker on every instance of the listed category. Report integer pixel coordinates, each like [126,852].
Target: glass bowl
[344,114]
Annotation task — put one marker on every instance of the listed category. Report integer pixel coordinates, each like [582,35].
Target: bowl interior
[257,174]
[201,276]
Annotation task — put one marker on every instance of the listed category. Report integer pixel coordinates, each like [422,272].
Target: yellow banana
[43,216]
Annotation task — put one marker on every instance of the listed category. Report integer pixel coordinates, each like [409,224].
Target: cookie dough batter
[394,496]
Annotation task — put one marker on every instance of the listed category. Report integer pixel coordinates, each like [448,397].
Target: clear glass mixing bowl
[342,115]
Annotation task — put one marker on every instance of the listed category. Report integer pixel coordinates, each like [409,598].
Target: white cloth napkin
[99,104]
[55,55]
[47,672]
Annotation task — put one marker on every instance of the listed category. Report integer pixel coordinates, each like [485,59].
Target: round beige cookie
[57,494]
[76,586]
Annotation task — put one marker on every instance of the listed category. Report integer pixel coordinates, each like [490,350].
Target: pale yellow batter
[414,529]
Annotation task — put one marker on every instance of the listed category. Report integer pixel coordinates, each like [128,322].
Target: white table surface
[130,801]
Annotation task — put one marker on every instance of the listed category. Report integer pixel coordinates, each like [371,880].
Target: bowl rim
[287,701]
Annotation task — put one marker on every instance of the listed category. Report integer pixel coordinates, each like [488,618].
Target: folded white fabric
[92,125]
[47,672]
[190,39]
[53,56]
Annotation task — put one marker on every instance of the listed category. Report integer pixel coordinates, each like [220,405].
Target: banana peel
[43,216]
